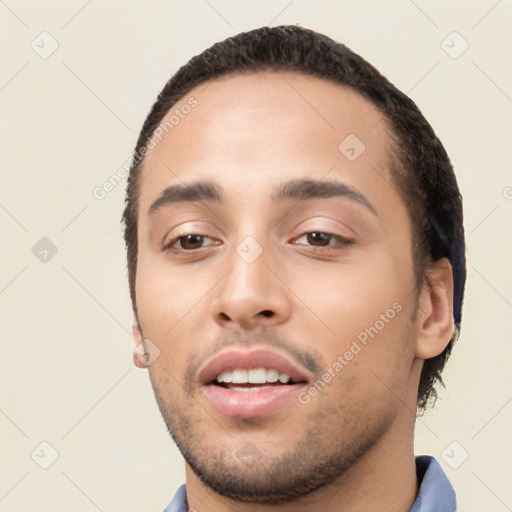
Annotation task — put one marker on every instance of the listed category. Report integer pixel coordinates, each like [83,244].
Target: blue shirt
[436,494]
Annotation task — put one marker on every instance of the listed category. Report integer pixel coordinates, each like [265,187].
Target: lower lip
[250,403]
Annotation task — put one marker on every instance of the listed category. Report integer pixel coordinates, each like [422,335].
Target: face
[275,277]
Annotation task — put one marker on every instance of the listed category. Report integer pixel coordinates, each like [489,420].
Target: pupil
[318,238]
[191,241]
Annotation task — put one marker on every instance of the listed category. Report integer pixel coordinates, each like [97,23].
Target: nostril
[267,313]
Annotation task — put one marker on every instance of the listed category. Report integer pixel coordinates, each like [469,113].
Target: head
[284,194]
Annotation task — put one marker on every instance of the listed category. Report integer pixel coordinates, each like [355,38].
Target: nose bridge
[248,277]
[250,291]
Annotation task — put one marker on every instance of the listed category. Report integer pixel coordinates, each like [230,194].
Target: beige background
[70,120]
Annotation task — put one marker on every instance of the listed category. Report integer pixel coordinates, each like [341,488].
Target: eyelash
[169,246]
[342,242]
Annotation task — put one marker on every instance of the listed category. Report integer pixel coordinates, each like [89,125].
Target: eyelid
[342,240]
[316,225]
[191,227]
[168,245]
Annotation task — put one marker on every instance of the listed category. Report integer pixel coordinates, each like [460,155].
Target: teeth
[258,376]
[225,377]
[239,376]
[283,378]
[239,388]
[253,376]
[272,375]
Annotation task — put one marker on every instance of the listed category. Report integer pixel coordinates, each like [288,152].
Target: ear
[137,339]
[435,310]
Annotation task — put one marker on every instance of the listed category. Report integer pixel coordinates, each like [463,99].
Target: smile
[250,383]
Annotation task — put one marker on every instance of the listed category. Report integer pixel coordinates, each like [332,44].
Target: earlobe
[137,339]
[435,310]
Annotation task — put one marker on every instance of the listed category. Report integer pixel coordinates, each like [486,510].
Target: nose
[251,295]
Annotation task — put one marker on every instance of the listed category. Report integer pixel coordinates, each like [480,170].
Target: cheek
[166,295]
[347,299]
[168,304]
[367,376]
[364,314]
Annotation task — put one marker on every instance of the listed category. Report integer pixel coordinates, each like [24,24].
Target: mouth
[251,383]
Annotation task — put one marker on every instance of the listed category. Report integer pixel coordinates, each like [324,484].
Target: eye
[188,242]
[319,239]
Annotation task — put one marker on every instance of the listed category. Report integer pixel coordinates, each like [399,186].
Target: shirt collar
[436,493]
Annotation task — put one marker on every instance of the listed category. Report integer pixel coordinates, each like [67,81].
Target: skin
[248,134]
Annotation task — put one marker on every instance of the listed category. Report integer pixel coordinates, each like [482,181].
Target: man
[296,263]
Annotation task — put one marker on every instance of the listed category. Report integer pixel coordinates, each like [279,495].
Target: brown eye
[318,238]
[190,242]
[321,239]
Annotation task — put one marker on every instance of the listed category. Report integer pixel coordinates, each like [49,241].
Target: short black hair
[421,168]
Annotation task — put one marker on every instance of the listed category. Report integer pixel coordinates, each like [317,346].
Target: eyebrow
[311,189]
[189,192]
[295,189]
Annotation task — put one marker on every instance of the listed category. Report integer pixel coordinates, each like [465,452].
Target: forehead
[247,129]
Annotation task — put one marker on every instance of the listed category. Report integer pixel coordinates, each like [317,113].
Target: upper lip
[232,359]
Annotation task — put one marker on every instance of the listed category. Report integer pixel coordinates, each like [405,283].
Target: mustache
[310,359]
